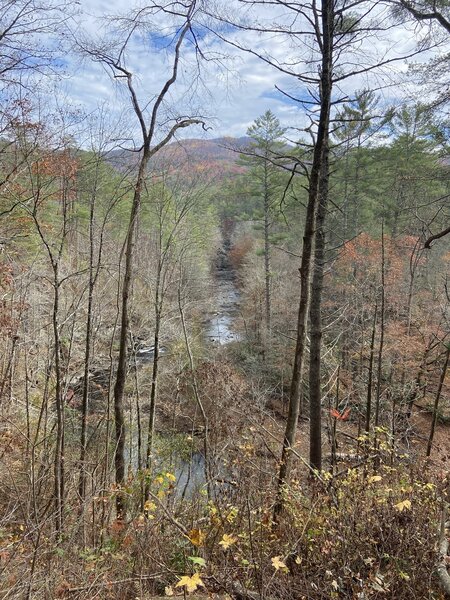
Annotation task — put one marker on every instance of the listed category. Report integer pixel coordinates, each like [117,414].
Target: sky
[229,91]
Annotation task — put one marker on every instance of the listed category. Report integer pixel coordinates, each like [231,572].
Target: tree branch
[436,236]
[434,15]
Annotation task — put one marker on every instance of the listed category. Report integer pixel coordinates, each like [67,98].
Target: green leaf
[197,560]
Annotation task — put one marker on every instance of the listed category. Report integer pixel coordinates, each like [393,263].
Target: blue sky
[231,92]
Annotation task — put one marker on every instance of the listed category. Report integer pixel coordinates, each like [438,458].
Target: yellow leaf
[298,560]
[149,505]
[197,537]
[374,478]
[404,505]
[278,564]
[232,514]
[171,477]
[168,590]
[227,541]
[190,583]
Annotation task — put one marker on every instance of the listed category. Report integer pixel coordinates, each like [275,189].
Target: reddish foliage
[340,416]
[240,250]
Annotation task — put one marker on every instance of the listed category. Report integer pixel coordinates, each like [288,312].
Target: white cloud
[234,91]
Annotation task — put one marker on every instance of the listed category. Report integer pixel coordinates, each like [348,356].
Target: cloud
[237,86]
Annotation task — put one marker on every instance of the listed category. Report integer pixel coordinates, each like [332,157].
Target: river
[219,323]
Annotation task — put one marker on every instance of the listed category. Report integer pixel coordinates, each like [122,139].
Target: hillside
[217,156]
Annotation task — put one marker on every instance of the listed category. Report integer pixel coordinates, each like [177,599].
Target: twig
[83,588]
[441,569]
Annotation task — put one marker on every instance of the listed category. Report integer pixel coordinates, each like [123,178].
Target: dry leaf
[404,505]
[227,541]
[197,537]
[278,564]
[190,583]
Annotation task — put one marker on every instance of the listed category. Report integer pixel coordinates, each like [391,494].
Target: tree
[355,126]
[431,17]
[29,47]
[428,11]
[113,55]
[266,133]
[330,35]
[28,41]
[52,173]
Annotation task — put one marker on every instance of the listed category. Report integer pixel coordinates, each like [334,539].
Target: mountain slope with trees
[224,363]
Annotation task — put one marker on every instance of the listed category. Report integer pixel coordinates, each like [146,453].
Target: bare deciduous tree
[148,111]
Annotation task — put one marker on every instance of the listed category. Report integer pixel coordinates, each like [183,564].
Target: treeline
[306,458]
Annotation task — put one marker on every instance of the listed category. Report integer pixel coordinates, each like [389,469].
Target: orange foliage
[57,164]
[340,416]
[240,250]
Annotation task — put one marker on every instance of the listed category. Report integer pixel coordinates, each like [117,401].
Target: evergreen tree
[262,157]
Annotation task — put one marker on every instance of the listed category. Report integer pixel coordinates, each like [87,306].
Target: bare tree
[427,11]
[113,55]
[28,40]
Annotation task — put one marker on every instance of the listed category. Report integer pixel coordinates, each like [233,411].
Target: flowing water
[218,328]
[219,324]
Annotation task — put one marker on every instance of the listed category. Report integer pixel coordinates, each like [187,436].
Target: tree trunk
[153,391]
[436,401]
[308,238]
[87,358]
[119,457]
[267,249]
[59,402]
[381,346]
[315,388]
[370,376]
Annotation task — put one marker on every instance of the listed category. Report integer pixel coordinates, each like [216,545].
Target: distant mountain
[216,157]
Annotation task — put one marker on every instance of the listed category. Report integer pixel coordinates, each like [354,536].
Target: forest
[225,317]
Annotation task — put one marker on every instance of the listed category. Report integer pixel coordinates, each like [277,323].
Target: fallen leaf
[278,564]
[198,560]
[190,583]
[340,416]
[404,505]
[227,541]
[197,537]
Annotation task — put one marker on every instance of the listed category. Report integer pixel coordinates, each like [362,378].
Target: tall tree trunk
[198,399]
[315,388]
[370,375]
[267,248]
[59,403]
[87,359]
[119,457]
[308,238]
[153,390]
[382,319]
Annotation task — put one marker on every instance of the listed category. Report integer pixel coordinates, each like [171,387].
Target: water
[147,354]
[190,475]
[219,330]
[219,327]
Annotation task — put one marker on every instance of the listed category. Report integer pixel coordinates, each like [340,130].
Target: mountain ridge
[217,155]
